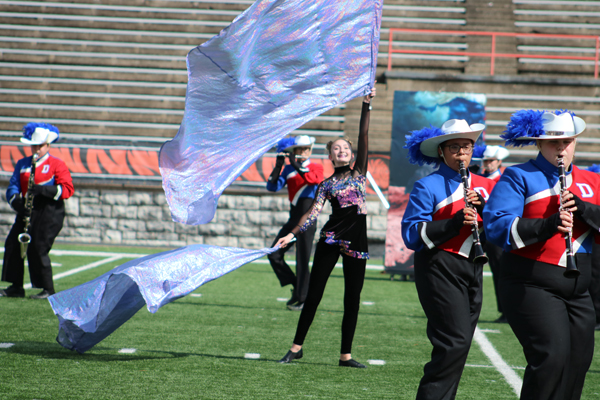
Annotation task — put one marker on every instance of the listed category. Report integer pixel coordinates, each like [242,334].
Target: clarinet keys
[571,272]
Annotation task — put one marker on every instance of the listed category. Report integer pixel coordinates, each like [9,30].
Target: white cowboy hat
[301,141]
[495,153]
[40,136]
[451,129]
[558,127]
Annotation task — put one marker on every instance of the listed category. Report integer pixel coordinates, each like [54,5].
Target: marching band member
[437,225]
[492,161]
[302,178]
[52,185]
[595,283]
[536,221]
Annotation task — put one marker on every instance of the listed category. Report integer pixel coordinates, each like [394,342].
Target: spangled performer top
[345,190]
[277,66]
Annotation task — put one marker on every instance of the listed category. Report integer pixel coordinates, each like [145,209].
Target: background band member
[51,187]
[492,162]
[437,226]
[595,283]
[301,177]
[533,216]
[345,234]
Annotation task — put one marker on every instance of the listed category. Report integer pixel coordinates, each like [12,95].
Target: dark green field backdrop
[194,348]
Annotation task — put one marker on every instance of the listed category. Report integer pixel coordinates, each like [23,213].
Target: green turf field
[196,347]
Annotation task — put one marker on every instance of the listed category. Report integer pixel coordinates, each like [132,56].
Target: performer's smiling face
[552,148]
[455,150]
[340,153]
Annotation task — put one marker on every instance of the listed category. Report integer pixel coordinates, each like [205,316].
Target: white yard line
[81,269]
[94,253]
[509,374]
[137,255]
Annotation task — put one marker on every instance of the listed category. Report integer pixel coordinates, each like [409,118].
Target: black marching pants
[494,253]
[553,318]
[45,224]
[595,284]
[326,256]
[304,243]
[449,288]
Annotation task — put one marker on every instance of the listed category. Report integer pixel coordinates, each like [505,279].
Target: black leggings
[326,256]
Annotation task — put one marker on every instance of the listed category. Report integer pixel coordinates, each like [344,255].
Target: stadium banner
[139,165]
[413,111]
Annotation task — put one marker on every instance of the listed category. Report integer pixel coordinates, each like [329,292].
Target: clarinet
[25,238]
[571,271]
[480,256]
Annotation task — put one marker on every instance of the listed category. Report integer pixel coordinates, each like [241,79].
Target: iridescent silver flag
[90,312]
[277,66]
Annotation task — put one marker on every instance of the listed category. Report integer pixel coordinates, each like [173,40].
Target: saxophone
[25,238]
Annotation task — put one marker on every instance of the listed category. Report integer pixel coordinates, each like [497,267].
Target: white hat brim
[48,138]
[578,125]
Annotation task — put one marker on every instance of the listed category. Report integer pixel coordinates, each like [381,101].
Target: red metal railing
[493,54]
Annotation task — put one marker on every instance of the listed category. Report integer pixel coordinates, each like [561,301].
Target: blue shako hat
[527,126]
[422,145]
[36,133]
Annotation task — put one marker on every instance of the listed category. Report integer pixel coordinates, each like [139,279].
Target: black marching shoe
[291,356]
[296,307]
[294,298]
[352,363]
[12,291]
[501,320]
[44,294]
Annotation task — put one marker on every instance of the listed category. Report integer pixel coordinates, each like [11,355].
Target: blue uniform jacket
[433,202]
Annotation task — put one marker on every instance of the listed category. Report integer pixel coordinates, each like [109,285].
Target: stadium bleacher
[115,72]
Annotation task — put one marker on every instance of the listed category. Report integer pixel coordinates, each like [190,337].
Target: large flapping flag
[277,66]
[90,312]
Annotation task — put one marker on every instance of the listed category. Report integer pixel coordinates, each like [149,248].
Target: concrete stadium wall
[131,217]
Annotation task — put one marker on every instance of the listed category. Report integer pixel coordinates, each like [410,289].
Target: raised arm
[362,156]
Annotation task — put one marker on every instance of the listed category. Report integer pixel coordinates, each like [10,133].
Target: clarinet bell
[24,240]
[480,257]
[571,272]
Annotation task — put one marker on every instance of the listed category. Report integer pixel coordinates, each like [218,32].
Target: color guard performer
[540,215]
[437,225]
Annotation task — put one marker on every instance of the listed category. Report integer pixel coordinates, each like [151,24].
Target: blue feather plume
[523,123]
[559,112]
[594,168]
[413,144]
[32,126]
[478,151]
[285,143]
